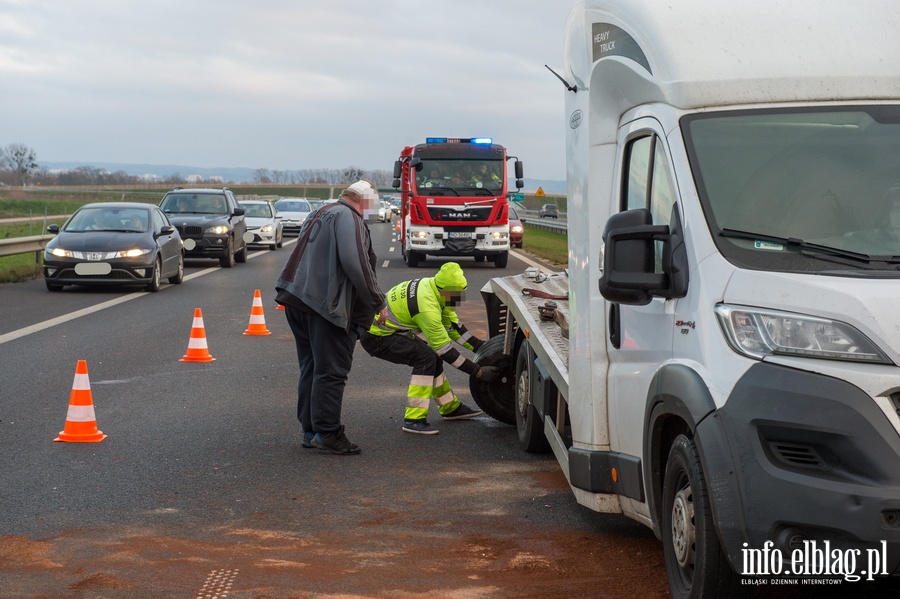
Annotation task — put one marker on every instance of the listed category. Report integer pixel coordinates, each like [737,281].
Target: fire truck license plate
[459,235]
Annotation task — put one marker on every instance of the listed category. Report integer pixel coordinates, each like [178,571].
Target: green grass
[547,245]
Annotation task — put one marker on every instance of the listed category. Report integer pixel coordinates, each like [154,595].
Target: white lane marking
[385,264]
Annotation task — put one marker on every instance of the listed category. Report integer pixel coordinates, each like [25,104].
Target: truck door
[640,337]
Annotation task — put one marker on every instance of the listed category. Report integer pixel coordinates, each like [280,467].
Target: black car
[210,222]
[549,211]
[114,243]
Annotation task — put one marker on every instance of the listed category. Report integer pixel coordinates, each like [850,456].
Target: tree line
[19,166]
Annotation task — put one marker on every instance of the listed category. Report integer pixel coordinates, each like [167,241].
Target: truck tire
[529,425]
[412,258]
[501,260]
[497,399]
[696,566]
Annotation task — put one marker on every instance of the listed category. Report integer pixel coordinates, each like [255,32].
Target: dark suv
[210,222]
[549,211]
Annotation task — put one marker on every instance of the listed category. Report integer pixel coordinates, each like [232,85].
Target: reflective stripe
[421,380]
[81,383]
[197,343]
[444,348]
[81,414]
[417,402]
[459,361]
[464,337]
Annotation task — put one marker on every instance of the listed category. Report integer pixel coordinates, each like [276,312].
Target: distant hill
[233,174]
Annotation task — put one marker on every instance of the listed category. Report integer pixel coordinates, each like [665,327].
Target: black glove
[475,342]
[488,374]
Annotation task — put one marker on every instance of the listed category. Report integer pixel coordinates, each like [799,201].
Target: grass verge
[547,245]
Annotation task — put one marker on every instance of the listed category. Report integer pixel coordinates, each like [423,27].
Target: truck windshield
[782,188]
[460,177]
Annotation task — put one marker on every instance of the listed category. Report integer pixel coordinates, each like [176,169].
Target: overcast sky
[280,84]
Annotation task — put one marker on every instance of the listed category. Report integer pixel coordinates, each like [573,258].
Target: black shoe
[307,441]
[462,412]
[419,427]
[336,443]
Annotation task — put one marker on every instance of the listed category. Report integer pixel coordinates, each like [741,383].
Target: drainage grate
[217,585]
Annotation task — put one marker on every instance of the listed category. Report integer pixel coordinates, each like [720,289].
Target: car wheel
[241,256]
[695,563]
[52,286]
[529,426]
[227,261]
[153,285]
[279,239]
[498,398]
[178,279]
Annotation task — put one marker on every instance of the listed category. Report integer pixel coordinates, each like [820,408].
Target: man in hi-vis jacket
[426,306]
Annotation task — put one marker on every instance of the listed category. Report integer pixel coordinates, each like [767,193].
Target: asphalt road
[203,490]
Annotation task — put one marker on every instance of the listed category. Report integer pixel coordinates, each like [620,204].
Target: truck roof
[714,53]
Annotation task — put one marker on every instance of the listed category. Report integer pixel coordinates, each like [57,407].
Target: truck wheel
[529,425]
[479,258]
[498,398]
[412,259]
[501,260]
[695,563]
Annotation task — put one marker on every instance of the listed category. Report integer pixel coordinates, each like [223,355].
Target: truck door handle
[615,325]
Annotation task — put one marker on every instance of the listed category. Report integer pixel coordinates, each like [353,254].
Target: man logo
[575,119]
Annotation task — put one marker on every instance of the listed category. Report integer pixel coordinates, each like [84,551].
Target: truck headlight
[757,333]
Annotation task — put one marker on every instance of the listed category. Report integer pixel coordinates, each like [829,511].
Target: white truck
[721,363]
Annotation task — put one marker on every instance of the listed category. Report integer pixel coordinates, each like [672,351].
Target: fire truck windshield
[460,177]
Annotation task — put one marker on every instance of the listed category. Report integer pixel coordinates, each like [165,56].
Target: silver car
[264,223]
[293,213]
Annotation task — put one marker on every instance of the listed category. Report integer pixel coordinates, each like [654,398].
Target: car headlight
[132,253]
[758,333]
[60,253]
[267,228]
[516,228]
[217,230]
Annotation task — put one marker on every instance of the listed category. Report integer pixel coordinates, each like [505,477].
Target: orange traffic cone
[257,324]
[280,307]
[81,424]
[397,226]
[197,350]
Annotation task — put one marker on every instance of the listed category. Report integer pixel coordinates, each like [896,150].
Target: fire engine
[454,199]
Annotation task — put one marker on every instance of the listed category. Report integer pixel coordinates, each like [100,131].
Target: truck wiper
[480,202]
[798,243]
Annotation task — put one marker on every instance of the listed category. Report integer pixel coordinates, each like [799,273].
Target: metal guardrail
[24,245]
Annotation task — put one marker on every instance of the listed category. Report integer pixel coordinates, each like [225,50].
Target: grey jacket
[334,272]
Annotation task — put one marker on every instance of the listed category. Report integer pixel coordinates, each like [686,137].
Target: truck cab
[728,370]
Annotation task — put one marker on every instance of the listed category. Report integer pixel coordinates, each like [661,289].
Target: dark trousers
[325,354]
[400,348]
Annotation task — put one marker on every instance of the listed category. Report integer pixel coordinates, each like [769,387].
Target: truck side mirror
[395,183]
[629,261]
[398,170]
[519,184]
[416,163]
[519,170]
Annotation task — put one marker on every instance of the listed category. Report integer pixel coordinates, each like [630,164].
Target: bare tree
[261,175]
[20,160]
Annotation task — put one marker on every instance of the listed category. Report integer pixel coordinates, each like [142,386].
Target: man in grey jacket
[329,292]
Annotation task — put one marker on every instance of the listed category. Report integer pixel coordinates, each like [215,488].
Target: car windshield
[194,203]
[128,220]
[460,177]
[790,189]
[314,204]
[293,206]
[257,210]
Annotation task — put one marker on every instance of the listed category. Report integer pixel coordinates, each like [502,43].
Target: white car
[264,223]
[293,213]
[385,212]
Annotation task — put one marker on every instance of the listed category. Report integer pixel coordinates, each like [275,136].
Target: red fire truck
[453,199]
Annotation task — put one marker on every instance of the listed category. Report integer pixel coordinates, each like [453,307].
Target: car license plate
[92,268]
[459,235]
